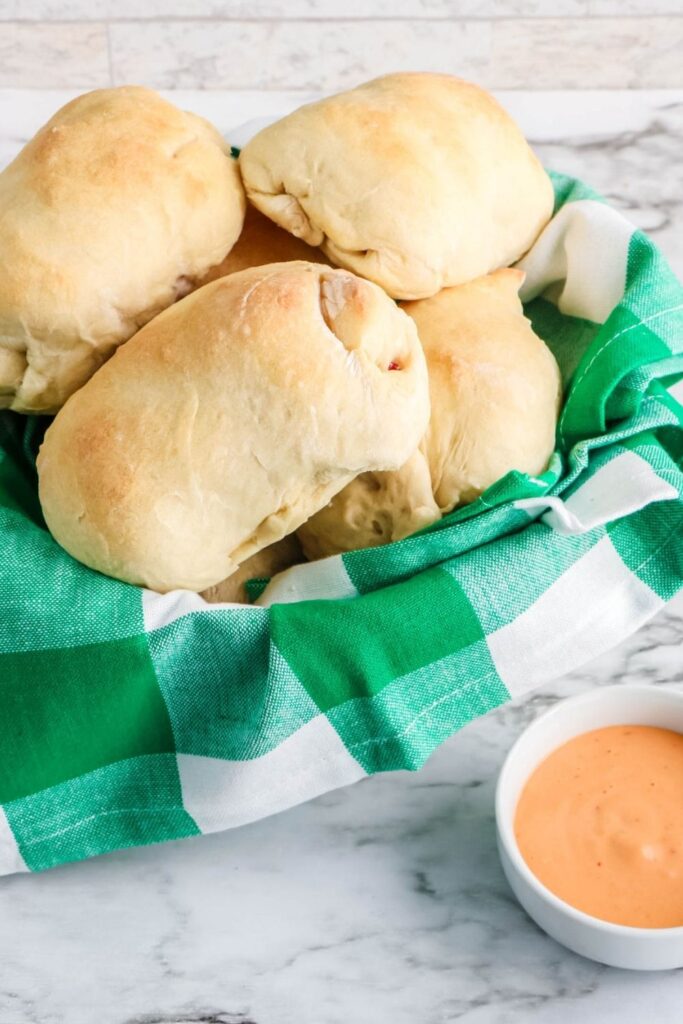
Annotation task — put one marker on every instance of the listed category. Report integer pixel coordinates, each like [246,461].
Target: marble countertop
[383,903]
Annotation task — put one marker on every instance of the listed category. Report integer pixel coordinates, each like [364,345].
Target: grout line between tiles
[386,19]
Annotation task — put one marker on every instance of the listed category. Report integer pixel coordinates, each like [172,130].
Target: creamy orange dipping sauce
[600,824]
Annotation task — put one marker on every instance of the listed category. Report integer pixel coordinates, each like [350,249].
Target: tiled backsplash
[329,44]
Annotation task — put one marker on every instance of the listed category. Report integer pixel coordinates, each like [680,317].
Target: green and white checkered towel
[128,717]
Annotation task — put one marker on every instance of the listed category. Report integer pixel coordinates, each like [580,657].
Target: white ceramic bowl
[645,949]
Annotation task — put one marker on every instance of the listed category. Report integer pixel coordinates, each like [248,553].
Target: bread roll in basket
[229,420]
[108,215]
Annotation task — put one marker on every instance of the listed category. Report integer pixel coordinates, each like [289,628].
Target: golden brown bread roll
[265,563]
[106,217]
[415,181]
[495,392]
[261,242]
[375,508]
[494,383]
[229,420]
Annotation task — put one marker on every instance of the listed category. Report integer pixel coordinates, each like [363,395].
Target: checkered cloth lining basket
[127,717]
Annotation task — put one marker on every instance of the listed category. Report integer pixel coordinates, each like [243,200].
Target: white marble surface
[383,903]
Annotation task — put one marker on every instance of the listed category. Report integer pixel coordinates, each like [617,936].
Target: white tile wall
[42,55]
[328,44]
[597,53]
[89,10]
[296,55]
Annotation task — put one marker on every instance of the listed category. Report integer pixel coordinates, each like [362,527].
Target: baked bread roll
[106,217]
[261,242]
[414,181]
[495,394]
[265,563]
[495,386]
[229,420]
[374,509]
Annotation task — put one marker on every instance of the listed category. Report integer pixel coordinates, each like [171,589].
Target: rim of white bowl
[505,822]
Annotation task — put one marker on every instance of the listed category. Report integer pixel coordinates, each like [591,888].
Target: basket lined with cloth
[131,717]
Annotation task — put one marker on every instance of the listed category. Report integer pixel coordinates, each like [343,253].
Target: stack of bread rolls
[313,348]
